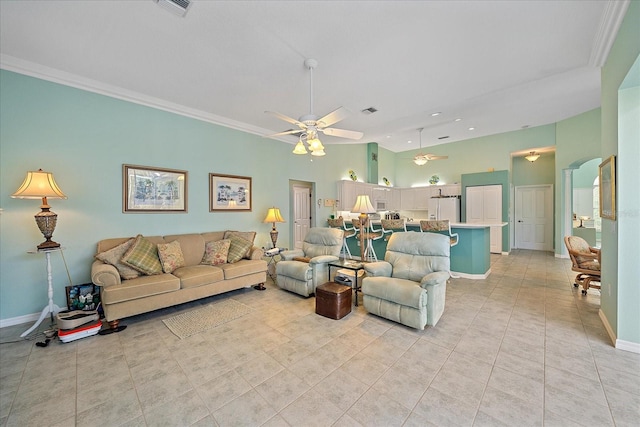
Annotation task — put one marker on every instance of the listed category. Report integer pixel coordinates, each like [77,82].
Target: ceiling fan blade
[287,119]
[432,157]
[342,133]
[286,132]
[333,117]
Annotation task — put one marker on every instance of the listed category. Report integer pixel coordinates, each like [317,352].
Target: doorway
[301,203]
[534,217]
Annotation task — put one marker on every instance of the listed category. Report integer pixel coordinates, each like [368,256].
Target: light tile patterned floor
[521,348]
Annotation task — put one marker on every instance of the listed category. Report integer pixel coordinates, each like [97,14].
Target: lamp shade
[363,205]
[39,184]
[273,215]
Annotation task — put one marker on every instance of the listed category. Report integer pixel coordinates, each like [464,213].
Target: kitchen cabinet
[348,192]
[415,199]
[396,199]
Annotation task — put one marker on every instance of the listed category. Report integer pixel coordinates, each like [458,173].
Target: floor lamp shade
[41,185]
[273,216]
[363,206]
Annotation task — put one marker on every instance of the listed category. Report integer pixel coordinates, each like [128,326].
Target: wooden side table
[51,309]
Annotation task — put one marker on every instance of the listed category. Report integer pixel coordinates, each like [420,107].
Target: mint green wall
[386,166]
[584,176]
[470,156]
[542,171]
[619,301]
[84,138]
[577,142]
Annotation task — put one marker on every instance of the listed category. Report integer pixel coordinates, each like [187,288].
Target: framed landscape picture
[229,193]
[607,175]
[148,189]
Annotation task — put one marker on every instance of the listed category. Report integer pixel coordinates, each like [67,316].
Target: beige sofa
[128,297]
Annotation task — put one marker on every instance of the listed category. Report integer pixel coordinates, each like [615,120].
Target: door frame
[551,224]
[292,214]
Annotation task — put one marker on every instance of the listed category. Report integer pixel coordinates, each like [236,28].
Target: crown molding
[612,17]
[20,66]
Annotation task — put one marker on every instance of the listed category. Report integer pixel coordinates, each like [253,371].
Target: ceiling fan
[422,159]
[309,124]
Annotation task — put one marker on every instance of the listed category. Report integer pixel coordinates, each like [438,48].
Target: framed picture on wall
[607,175]
[229,193]
[149,189]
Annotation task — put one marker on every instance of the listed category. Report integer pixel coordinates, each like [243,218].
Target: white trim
[633,347]
[471,276]
[42,72]
[27,318]
[607,31]
[562,256]
[505,253]
[607,326]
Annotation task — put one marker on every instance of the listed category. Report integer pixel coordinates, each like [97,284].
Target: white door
[534,217]
[484,205]
[301,214]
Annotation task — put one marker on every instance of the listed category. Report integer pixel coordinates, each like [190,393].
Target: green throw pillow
[238,249]
[143,256]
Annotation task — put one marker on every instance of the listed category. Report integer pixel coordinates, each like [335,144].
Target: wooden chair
[585,260]
[370,234]
[439,226]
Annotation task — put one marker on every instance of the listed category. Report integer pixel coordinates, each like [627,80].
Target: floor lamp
[363,206]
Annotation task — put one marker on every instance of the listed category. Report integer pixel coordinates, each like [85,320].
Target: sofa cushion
[141,287]
[143,256]
[238,249]
[113,257]
[192,246]
[243,268]
[193,276]
[246,235]
[216,252]
[170,255]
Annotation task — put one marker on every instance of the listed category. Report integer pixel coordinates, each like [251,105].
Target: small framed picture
[229,193]
[148,189]
[607,175]
[83,297]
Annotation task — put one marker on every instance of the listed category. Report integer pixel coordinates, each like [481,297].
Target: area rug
[202,319]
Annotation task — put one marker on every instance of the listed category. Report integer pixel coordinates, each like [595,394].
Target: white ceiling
[497,65]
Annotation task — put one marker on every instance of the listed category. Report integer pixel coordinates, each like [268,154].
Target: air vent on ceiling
[443,137]
[177,7]
[369,110]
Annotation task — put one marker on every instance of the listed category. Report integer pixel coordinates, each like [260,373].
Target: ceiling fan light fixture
[420,160]
[532,157]
[300,148]
[315,144]
[318,153]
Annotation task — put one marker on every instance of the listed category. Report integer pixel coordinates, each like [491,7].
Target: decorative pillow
[246,235]
[216,252]
[113,256]
[238,249]
[171,256]
[143,256]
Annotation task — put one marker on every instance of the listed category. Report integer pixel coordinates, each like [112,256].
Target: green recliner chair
[320,247]
[409,286]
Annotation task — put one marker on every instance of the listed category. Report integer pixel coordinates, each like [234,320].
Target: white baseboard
[18,320]
[457,274]
[633,347]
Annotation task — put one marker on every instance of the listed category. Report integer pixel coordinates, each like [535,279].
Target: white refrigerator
[445,208]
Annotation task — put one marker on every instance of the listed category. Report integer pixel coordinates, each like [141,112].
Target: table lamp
[363,206]
[41,185]
[273,216]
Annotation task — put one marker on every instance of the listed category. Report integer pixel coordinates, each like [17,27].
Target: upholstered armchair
[585,260]
[409,286]
[302,270]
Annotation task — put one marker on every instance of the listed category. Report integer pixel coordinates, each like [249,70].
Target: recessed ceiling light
[437,113]
[472,128]
[388,136]
[409,142]
[457,120]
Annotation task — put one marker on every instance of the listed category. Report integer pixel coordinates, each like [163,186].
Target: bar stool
[349,232]
[439,226]
[370,234]
[389,226]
